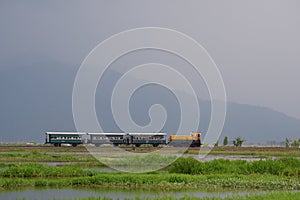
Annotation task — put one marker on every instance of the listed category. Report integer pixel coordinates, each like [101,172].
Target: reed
[161,181]
[279,167]
[267,196]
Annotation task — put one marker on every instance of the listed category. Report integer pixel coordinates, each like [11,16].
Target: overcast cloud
[255,43]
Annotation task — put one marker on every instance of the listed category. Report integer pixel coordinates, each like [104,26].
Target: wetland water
[118,193]
[115,193]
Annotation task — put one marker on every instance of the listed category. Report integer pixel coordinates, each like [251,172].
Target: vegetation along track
[218,150]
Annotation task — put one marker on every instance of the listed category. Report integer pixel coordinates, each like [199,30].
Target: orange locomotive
[193,140]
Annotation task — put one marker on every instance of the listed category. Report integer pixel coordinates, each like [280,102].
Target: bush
[187,165]
[27,170]
[283,166]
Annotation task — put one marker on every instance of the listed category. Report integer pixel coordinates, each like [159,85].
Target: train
[135,139]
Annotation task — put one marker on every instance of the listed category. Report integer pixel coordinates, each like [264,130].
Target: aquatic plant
[282,166]
[30,170]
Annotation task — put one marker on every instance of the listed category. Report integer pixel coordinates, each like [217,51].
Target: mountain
[38,98]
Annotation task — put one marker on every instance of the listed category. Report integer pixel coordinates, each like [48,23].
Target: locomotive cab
[194,140]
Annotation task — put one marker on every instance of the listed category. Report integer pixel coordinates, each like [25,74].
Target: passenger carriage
[153,139]
[107,138]
[136,139]
[59,138]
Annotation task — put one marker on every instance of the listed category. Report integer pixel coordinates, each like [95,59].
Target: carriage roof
[106,133]
[65,133]
[145,134]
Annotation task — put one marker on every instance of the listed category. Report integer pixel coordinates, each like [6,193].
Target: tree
[217,143]
[238,141]
[295,143]
[225,141]
[287,142]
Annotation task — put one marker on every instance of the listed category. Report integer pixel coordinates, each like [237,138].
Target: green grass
[283,173]
[280,167]
[40,148]
[219,173]
[3,164]
[35,156]
[162,181]
[136,163]
[267,196]
[263,152]
[34,170]
[64,154]
[88,164]
[149,159]
[294,153]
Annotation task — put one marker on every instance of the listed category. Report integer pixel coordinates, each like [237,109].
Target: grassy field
[184,173]
[269,196]
[21,170]
[40,156]
[14,151]
[161,181]
[252,151]
[282,167]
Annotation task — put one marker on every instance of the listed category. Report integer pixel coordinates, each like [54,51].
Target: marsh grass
[149,159]
[267,196]
[263,152]
[35,170]
[279,167]
[161,181]
[88,164]
[184,173]
[36,156]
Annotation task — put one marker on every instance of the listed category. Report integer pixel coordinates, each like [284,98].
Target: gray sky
[255,44]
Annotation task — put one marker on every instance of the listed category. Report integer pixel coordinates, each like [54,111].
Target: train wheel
[155,145]
[97,145]
[74,145]
[137,145]
[56,144]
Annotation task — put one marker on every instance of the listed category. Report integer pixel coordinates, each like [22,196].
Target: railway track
[83,148]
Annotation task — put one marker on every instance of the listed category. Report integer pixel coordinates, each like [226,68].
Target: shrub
[27,170]
[283,166]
